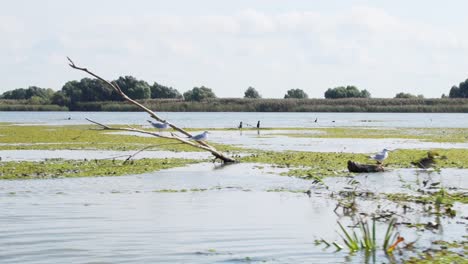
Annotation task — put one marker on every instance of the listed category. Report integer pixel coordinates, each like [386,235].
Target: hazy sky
[385,47]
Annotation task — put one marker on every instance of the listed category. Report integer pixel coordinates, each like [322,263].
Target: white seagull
[200,137]
[381,156]
[159,125]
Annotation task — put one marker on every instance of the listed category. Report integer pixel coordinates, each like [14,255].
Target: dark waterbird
[427,162]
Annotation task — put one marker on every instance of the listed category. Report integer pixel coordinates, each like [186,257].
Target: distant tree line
[349,91]
[33,94]
[92,90]
[89,90]
[408,96]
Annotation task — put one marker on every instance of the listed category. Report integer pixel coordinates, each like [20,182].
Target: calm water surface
[237,219]
[232,119]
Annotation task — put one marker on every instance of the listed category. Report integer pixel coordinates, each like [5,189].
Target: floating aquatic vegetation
[439,203]
[84,137]
[442,252]
[217,188]
[426,134]
[367,240]
[58,168]
[316,165]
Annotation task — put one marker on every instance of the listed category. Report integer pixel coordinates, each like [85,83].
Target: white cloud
[362,45]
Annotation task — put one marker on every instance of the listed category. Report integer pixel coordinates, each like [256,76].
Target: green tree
[296,93]
[37,100]
[43,95]
[461,91]
[16,94]
[199,94]
[161,91]
[72,90]
[92,90]
[365,94]
[352,91]
[86,90]
[59,98]
[349,91]
[136,89]
[252,93]
[408,95]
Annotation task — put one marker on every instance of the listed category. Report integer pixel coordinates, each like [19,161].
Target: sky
[386,47]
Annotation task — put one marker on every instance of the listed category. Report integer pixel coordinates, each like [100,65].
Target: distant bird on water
[200,137]
[258,124]
[159,125]
[240,125]
[380,156]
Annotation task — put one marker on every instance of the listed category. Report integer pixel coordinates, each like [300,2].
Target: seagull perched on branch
[380,156]
[159,125]
[200,137]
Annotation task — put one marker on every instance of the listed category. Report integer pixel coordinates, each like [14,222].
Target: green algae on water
[317,164]
[444,253]
[440,197]
[90,137]
[452,135]
[83,168]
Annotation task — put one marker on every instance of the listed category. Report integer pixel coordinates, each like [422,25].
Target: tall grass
[292,105]
[23,105]
[367,240]
[416,105]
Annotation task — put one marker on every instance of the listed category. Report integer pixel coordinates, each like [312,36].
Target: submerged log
[356,167]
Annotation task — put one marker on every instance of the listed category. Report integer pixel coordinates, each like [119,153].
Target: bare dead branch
[99,124]
[134,154]
[139,151]
[173,136]
[115,87]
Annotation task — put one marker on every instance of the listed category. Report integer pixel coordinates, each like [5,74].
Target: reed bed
[401,105]
[290,105]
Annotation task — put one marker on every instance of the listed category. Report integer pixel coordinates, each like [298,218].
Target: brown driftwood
[357,167]
[196,143]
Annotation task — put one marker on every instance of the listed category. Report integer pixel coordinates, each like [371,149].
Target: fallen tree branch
[208,148]
[130,156]
[134,154]
[115,87]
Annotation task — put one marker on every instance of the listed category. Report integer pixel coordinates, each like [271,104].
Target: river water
[232,119]
[212,214]
[227,215]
